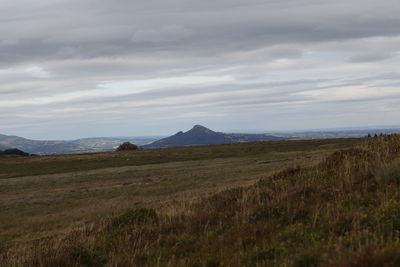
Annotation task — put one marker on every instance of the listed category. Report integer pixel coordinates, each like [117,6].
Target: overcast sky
[79,68]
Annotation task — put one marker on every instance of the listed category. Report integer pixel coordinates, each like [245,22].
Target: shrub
[127,146]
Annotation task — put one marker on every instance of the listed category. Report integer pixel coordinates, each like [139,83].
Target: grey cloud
[90,29]
[272,50]
[371,57]
[163,34]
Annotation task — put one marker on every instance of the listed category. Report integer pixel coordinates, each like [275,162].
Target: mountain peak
[199,127]
[200,135]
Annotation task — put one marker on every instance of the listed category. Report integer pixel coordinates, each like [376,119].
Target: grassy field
[51,195]
[206,199]
[17,167]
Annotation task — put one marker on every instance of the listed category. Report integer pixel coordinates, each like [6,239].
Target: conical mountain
[200,135]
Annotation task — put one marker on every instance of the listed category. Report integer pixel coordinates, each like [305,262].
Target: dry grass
[302,215]
[46,196]
[17,167]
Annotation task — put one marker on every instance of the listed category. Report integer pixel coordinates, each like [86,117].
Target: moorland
[303,203]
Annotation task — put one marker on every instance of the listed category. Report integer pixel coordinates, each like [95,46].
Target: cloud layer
[72,68]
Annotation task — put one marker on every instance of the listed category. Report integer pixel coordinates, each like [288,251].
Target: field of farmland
[47,196]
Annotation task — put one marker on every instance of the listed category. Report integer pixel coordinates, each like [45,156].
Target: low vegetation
[127,146]
[342,211]
[13,152]
[46,196]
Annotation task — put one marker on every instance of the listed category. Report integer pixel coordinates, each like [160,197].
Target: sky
[81,68]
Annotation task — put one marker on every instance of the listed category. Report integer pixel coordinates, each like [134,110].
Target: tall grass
[345,211]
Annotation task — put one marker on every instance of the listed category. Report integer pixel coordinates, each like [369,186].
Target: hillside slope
[343,211]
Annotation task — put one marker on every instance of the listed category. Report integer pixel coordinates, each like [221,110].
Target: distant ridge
[40,147]
[84,145]
[200,135]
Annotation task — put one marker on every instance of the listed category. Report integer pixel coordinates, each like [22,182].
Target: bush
[127,146]
[13,152]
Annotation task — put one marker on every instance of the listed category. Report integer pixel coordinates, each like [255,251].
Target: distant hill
[200,135]
[85,145]
[41,147]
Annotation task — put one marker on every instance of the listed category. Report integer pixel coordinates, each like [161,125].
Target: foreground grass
[344,211]
[42,197]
